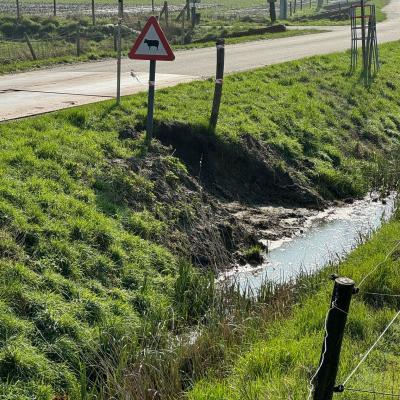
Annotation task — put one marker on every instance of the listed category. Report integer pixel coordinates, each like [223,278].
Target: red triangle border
[170,56]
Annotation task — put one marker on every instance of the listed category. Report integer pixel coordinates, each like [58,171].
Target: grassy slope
[80,259]
[281,366]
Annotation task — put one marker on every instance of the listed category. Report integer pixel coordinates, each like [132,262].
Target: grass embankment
[93,226]
[281,364]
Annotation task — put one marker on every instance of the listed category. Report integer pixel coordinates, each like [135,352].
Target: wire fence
[86,27]
[59,46]
[376,372]
[100,9]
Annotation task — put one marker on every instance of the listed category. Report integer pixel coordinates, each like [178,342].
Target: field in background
[55,39]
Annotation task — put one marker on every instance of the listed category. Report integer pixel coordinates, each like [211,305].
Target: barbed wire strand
[379,264]
[393,395]
[381,294]
[371,348]
[311,382]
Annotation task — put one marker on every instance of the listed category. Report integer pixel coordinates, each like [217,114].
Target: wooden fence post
[272,10]
[55,8]
[193,13]
[18,11]
[218,83]
[188,10]
[28,42]
[183,29]
[290,9]
[325,378]
[78,41]
[166,13]
[93,13]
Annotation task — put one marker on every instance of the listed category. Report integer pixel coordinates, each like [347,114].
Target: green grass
[307,16]
[90,251]
[280,365]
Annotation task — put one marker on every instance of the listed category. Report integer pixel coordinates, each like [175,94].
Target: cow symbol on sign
[152,43]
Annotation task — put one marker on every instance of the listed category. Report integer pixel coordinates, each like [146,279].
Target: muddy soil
[235,196]
[219,199]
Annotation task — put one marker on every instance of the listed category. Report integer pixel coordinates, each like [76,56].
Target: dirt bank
[222,199]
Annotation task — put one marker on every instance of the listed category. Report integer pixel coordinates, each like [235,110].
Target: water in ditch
[328,235]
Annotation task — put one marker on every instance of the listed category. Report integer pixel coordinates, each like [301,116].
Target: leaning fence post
[28,42]
[325,378]
[218,83]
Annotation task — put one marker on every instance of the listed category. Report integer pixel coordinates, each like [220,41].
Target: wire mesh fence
[378,376]
[109,8]
[52,25]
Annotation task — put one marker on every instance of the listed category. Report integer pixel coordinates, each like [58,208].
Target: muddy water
[325,236]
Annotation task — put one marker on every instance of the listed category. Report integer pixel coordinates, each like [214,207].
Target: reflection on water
[329,234]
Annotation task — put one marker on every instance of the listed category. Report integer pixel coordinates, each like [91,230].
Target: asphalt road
[52,89]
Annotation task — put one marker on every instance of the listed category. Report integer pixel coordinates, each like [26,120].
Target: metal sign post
[150,102]
[120,13]
[151,45]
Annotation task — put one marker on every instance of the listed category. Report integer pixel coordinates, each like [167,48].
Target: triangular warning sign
[152,44]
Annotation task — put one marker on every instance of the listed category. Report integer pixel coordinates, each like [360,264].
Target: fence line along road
[99,78]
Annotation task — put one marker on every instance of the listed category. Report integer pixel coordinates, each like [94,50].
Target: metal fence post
[218,83]
[325,378]
[150,104]
[55,8]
